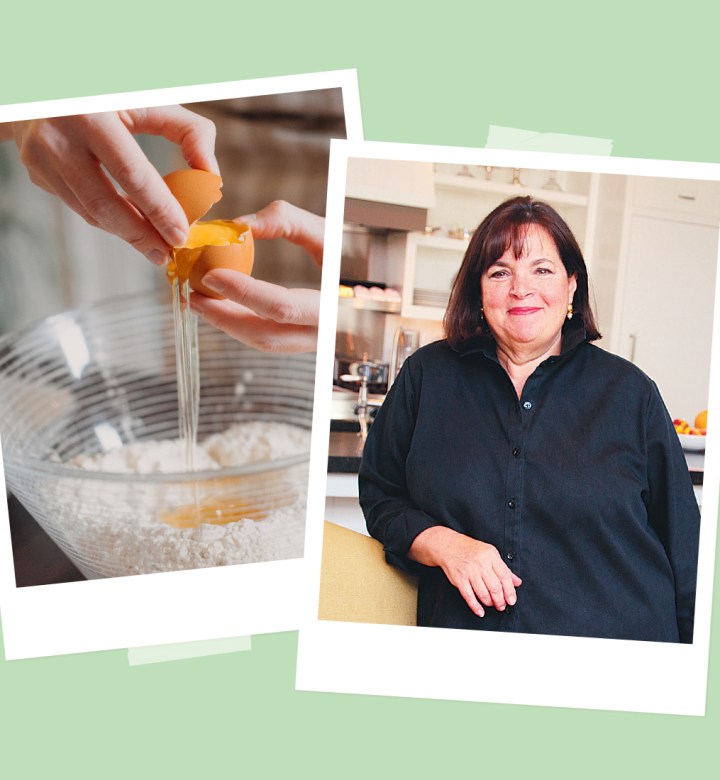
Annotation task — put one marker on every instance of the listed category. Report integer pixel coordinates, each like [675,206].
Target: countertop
[345,452]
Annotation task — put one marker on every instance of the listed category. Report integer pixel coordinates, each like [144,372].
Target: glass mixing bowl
[103,377]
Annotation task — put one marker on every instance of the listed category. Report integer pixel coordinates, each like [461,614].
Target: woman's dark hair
[506,227]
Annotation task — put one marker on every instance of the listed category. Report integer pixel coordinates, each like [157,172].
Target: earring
[482,313]
[570,311]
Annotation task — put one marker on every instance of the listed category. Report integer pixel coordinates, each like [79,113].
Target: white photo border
[492,667]
[185,606]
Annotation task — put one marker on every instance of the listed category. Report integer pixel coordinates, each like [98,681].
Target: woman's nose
[520,287]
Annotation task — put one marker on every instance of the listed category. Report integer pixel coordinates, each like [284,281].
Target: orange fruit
[701,419]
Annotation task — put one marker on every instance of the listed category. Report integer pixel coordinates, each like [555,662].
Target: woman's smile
[523,310]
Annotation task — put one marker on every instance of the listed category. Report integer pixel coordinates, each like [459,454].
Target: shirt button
[511,555]
[511,503]
[516,451]
[527,405]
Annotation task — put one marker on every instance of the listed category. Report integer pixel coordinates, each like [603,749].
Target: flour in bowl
[116,528]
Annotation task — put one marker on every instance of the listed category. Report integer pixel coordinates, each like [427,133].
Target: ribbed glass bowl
[96,378]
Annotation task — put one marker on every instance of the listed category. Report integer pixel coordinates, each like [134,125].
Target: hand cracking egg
[210,245]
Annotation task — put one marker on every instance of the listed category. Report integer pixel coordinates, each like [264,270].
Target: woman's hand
[473,567]
[66,155]
[268,316]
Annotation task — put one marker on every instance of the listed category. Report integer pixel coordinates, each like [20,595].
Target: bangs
[511,235]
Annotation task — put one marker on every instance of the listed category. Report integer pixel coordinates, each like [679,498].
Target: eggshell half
[195,190]
[234,250]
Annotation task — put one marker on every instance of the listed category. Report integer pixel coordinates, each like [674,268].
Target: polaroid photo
[105,540]
[441,427]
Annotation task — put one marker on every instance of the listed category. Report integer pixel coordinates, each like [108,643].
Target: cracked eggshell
[196,191]
[210,245]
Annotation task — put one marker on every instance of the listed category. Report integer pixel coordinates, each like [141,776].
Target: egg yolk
[217,233]
[213,233]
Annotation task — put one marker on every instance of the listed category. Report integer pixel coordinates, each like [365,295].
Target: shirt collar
[573,334]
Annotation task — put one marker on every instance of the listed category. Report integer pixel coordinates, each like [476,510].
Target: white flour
[118,531]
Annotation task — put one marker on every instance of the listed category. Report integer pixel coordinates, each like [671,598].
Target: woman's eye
[543,271]
[497,274]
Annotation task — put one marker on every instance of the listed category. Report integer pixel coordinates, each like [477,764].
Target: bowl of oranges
[692,437]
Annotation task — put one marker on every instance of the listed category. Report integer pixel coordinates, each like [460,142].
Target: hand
[65,156]
[473,567]
[268,316]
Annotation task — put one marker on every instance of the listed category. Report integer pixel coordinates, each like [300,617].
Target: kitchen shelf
[430,264]
[370,304]
[469,183]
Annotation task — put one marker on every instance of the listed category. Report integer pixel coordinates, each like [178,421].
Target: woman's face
[525,299]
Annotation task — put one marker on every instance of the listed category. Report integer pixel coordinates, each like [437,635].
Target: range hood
[389,194]
[384,216]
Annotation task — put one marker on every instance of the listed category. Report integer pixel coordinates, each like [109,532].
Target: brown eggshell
[199,260]
[195,190]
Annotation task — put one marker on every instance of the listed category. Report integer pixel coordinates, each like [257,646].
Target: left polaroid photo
[160,282]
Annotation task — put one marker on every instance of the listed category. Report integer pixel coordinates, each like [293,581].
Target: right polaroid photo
[518,447]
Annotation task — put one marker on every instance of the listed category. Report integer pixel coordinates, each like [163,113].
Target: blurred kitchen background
[268,148]
[650,244]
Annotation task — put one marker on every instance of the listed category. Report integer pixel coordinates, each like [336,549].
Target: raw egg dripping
[210,245]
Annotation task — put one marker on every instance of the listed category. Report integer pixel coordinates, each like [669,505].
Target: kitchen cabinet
[400,182]
[430,264]
[666,287]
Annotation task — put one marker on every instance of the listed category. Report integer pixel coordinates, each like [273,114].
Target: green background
[642,74]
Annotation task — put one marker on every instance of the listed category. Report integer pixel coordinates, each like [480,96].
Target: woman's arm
[475,568]
[672,509]
[413,539]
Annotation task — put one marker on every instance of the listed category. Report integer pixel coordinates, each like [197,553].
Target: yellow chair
[357,585]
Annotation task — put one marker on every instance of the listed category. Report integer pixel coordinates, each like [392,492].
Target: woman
[533,481]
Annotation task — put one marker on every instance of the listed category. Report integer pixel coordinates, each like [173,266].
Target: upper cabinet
[391,181]
[665,290]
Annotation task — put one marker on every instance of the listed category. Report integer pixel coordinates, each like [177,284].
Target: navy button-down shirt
[581,485]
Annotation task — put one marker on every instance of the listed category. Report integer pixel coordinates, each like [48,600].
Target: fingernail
[176,237]
[156,256]
[246,218]
[212,283]
[511,600]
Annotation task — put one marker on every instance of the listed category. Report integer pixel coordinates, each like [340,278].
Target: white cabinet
[692,198]
[666,287]
[430,265]
[400,182]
